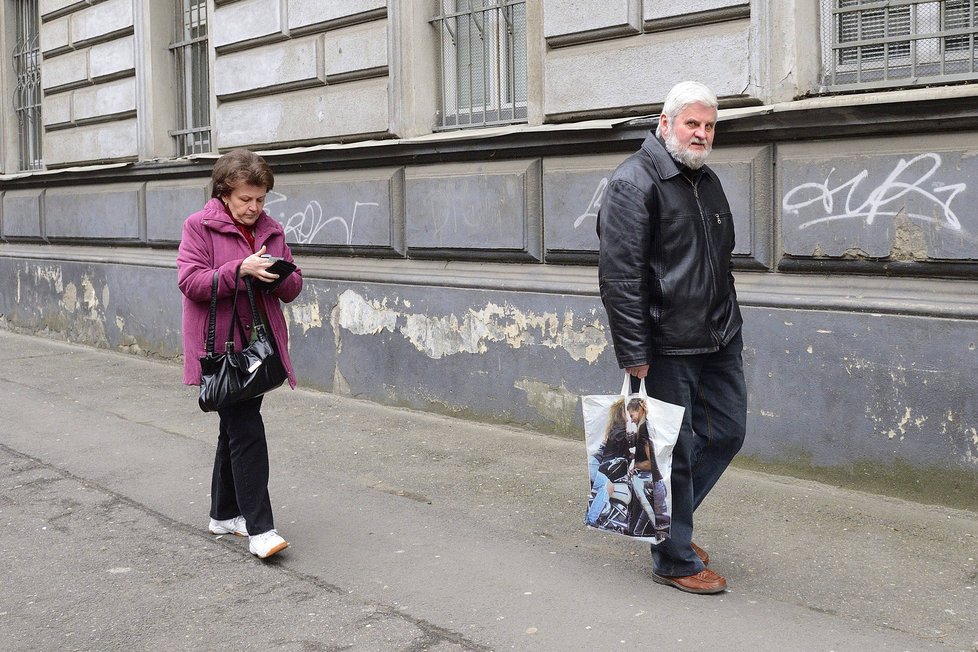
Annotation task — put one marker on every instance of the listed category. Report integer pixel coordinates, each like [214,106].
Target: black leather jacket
[666,236]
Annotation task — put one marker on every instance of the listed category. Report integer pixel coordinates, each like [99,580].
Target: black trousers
[239,484]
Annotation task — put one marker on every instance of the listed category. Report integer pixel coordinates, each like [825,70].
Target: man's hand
[639,372]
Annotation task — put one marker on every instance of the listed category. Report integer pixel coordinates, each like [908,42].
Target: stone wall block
[363,47]
[492,208]
[246,20]
[890,200]
[105,99]
[747,179]
[110,141]
[54,35]
[567,22]
[303,13]
[64,69]
[56,109]
[612,73]
[658,9]
[110,212]
[112,58]
[22,214]
[310,115]
[339,210]
[47,7]
[100,19]
[573,189]
[279,64]
[168,204]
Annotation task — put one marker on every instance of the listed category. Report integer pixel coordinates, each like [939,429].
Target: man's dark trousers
[711,387]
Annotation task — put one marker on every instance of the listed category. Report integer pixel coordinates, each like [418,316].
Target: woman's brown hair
[240,166]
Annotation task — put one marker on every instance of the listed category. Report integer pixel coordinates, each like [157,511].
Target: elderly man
[666,236]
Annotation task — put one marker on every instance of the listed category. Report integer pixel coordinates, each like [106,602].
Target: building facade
[439,166]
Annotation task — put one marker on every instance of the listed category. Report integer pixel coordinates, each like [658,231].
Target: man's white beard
[692,160]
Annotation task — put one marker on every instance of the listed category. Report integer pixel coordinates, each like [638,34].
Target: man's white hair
[682,95]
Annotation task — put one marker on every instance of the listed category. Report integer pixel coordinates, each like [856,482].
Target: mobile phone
[279,266]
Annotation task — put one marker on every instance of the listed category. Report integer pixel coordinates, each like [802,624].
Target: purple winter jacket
[212,242]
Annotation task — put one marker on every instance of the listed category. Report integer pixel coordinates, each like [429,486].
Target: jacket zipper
[709,247]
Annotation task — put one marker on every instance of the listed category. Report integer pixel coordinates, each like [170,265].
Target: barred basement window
[483,62]
[193,134]
[27,93]
[887,43]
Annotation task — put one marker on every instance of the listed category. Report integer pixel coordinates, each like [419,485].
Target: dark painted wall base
[879,401]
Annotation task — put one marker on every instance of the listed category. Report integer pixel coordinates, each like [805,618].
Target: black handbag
[231,377]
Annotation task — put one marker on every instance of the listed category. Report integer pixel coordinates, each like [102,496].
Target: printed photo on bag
[629,453]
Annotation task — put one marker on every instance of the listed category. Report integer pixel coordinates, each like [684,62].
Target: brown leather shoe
[705,558]
[705,581]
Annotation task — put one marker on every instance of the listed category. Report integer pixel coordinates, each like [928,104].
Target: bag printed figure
[629,440]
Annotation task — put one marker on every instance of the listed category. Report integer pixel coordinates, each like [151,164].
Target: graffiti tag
[888,199]
[594,205]
[303,226]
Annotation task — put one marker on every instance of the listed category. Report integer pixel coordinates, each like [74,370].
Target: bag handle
[641,393]
[628,384]
[212,321]
[236,319]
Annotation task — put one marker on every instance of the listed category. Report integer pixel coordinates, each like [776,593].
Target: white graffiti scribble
[903,181]
[305,225]
[594,205]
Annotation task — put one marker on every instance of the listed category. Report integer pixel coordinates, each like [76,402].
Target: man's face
[690,136]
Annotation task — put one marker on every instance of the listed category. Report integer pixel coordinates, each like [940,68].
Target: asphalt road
[410,531]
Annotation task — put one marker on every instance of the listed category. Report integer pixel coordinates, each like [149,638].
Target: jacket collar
[665,164]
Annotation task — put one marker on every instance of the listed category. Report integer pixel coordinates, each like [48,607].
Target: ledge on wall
[930,297]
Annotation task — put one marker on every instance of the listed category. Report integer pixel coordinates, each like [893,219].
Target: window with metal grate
[482,71]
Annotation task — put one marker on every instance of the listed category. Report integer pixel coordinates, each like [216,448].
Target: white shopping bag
[629,440]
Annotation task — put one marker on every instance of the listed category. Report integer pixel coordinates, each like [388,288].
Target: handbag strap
[236,319]
[212,321]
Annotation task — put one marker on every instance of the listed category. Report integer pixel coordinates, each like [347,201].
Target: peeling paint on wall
[362,317]
[439,336]
[306,315]
[909,240]
[51,274]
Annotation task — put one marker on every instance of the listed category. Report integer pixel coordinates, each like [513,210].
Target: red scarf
[246,231]
[249,235]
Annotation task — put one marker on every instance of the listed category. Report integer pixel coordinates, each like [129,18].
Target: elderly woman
[230,236]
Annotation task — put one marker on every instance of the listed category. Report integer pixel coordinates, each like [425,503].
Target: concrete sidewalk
[411,531]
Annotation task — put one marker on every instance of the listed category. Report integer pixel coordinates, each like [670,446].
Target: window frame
[191,61]
[487,85]
[896,43]
[27,89]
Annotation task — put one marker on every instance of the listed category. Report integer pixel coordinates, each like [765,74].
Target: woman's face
[245,202]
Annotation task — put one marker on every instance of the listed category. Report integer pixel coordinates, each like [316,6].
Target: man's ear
[663,123]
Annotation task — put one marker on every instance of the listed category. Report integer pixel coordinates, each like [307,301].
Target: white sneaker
[266,544]
[234,525]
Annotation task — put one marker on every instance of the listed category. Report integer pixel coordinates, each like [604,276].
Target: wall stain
[554,403]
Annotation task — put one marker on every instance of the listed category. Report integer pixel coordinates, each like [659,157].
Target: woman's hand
[256,266]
